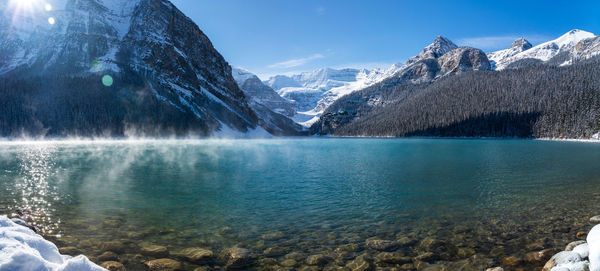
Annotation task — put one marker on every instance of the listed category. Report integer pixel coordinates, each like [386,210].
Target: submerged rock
[360,263]
[196,255]
[108,256]
[381,245]
[540,256]
[72,251]
[113,266]
[163,265]
[155,251]
[318,259]
[114,246]
[236,258]
[392,258]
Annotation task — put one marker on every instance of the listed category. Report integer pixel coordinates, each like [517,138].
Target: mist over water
[306,189]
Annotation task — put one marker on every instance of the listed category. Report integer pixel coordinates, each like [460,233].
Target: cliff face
[166,76]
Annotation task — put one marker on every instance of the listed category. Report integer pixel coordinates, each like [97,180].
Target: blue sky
[271,37]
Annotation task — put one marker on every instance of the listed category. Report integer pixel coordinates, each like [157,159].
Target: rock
[573,244]
[360,263]
[465,252]
[430,244]
[113,266]
[426,257]
[108,256]
[154,251]
[309,268]
[236,258]
[274,252]
[288,263]
[163,265]
[595,219]
[71,251]
[561,258]
[583,250]
[535,246]
[20,222]
[581,235]
[349,247]
[318,259]
[495,269]
[593,240]
[511,261]
[540,256]
[196,255]
[381,245]
[406,241]
[392,258]
[114,246]
[272,235]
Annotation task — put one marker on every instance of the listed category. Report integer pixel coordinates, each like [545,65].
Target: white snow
[314,91]
[583,250]
[240,75]
[23,249]
[544,51]
[596,136]
[593,240]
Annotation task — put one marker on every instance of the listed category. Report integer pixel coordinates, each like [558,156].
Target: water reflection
[34,188]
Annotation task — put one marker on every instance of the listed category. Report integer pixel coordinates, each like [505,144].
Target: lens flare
[51,20]
[48,7]
[107,80]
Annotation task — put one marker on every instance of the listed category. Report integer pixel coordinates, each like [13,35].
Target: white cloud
[295,62]
[499,42]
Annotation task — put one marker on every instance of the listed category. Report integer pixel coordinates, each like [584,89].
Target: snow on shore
[21,249]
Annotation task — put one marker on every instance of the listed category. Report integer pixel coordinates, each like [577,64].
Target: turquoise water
[305,195]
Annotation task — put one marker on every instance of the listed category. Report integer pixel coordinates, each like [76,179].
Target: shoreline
[577,255]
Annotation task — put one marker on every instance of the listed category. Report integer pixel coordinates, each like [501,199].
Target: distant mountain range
[550,90]
[142,68]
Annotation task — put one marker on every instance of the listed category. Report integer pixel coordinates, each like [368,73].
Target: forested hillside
[535,101]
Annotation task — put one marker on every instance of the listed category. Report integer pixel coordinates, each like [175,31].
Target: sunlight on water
[300,193]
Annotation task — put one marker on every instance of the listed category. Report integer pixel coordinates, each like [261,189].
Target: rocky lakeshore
[277,251]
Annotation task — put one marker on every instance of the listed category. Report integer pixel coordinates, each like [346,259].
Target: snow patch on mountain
[499,58]
[314,91]
[544,51]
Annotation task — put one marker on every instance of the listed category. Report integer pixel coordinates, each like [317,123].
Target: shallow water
[478,200]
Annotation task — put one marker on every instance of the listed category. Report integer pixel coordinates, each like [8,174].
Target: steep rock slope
[165,75]
[273,110]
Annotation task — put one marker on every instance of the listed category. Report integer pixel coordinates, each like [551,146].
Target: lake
[443,202]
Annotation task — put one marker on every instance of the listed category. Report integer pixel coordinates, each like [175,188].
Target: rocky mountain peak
[438,48]
[521,44]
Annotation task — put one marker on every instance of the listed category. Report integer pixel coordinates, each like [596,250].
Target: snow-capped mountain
[565,44]
[316,90]
[273,111]
[165,76]
[499,58]
[436,49]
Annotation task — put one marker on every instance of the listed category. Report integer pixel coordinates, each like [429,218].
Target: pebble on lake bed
[163,265]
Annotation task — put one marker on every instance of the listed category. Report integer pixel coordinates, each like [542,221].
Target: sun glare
[29,5]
